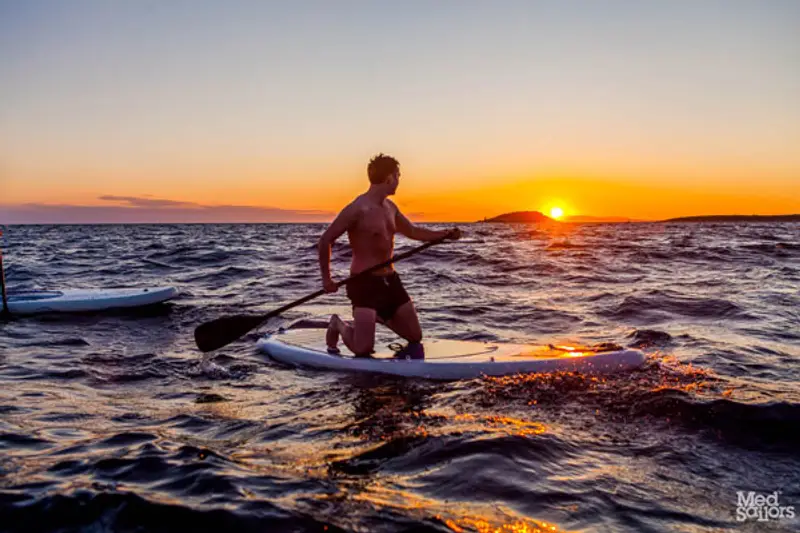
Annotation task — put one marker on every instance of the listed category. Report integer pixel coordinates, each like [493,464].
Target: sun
[556,212]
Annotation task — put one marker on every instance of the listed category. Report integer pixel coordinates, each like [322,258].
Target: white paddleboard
[444,359]
[78,300]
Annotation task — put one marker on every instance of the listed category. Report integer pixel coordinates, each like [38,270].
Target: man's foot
[332,335]
[413,350]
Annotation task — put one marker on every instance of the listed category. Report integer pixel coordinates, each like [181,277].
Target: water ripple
[114,422]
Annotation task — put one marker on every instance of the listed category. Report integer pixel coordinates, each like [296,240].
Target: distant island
[537,217]
[737,218]
[520,216]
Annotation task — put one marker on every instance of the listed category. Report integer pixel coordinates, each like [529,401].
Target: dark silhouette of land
[537,217]
[520,216]
[738,218]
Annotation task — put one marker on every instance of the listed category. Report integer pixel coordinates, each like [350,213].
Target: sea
[114,421]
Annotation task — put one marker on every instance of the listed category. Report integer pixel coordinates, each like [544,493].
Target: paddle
[5,313]
[224,330]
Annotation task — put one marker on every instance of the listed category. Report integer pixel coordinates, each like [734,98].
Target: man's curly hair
[380,167]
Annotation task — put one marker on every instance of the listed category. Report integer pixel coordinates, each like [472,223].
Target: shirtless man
[371,220]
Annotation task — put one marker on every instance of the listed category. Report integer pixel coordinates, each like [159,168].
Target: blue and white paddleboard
[445,359]
[79,300]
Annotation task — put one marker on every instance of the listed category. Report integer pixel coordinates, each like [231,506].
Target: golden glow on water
[484,526]
[497,423]
[457,517]
[659,373]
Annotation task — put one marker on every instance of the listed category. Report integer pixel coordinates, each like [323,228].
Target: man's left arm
[407,228]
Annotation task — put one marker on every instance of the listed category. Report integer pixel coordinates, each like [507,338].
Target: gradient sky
[255,110]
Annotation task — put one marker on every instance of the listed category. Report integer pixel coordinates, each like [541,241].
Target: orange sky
[427,192]
[271,112]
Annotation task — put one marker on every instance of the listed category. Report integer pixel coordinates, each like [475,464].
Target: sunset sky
[193,110]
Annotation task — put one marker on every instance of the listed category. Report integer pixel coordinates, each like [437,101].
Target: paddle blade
[222,331]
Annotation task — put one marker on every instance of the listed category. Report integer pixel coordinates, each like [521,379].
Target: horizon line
[483,221]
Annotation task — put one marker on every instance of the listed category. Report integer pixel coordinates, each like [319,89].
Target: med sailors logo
[761,507]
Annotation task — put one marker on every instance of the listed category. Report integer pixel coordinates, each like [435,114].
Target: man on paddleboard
[371,221]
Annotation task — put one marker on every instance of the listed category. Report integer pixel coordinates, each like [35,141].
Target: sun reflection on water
[480,518]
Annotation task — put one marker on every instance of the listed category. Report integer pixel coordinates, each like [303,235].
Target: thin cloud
[147,209]
[134,201]
[138,210]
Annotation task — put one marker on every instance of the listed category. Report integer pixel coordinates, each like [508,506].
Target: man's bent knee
[363,348]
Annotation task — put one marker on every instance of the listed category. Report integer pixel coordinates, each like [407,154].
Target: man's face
[393,181]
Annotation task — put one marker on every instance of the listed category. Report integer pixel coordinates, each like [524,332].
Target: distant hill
[537,217]
[520,216]
[737,218]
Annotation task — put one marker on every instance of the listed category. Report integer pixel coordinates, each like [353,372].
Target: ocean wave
[659,305]
[757,426]
[92,508]
[114,421]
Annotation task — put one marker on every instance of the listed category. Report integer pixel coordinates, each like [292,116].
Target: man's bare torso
[372,235]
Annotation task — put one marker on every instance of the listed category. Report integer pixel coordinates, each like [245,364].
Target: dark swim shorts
[384,294]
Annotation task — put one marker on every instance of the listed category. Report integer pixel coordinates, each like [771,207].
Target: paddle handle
[4,311]
[398,257]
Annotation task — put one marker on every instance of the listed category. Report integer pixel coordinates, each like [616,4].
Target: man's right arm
[340,224]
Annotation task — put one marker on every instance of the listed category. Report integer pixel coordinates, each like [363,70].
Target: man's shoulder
[357,204]
[354,208]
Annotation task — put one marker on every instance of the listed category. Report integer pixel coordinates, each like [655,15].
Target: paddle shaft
[219,332]
[398,257]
